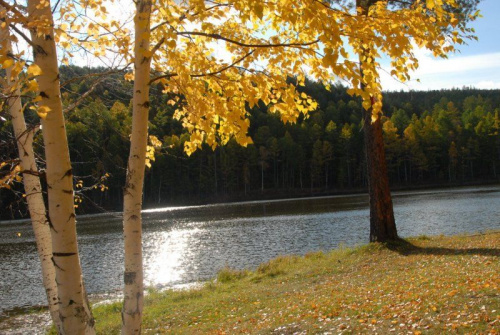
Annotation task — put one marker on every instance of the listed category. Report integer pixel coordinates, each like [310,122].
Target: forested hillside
[437,137]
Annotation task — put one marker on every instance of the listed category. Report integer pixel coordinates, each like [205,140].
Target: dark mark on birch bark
[68,173]
[63,254]
[129,277]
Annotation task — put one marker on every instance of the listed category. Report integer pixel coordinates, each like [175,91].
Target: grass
[417,286]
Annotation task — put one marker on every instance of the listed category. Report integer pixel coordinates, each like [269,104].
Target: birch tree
[32,188]
[74,313]
[132,200]
[210,95]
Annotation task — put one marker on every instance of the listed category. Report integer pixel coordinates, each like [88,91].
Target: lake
[184,245]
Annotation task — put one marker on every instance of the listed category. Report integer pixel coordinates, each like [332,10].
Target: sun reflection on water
[168,251]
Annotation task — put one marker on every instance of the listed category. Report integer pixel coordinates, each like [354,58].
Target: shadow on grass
[406,248]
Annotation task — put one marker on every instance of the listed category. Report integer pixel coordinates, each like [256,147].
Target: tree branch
[241,44]
[169,75]
[157,46]
[13,9]
[27,39]
[55,6]
[83,96]
[101,74]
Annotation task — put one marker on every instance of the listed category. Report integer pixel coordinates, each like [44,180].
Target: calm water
[188,244]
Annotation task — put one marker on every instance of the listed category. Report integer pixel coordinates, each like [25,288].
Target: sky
[477,64]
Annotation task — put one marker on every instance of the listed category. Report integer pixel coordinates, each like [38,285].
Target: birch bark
[74,313]
[132,220]
[32,188]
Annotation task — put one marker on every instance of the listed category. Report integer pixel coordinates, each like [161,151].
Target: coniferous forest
[435,138]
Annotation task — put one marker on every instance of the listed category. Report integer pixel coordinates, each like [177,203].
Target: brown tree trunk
[382,223]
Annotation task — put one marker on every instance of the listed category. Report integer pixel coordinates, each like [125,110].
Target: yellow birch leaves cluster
[287,39]
[215,60]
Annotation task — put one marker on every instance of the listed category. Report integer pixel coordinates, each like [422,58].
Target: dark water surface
[189,244]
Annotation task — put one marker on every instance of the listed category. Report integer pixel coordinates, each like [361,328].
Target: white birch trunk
[32,189]
[132,202]
[74,313]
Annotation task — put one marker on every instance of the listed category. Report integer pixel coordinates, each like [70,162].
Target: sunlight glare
[164,267]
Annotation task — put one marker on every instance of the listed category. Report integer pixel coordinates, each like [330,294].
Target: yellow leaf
[259,10]
[7,63]
[34,70]
[172,44]
[32,86]
[43,111]
[129,76]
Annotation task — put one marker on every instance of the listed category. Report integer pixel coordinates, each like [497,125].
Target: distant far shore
[272,195]
[308,193]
